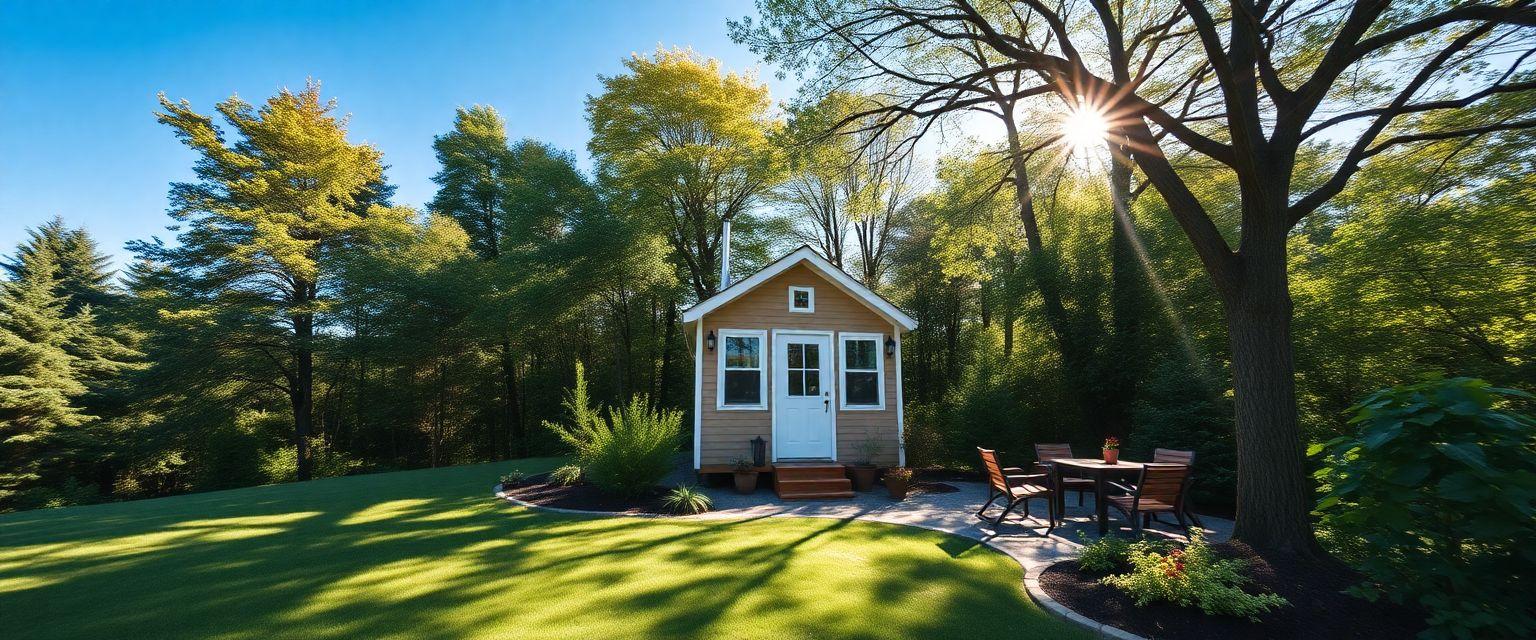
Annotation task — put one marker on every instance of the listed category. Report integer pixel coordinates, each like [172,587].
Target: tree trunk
[302,392]
[517,445]
[1273,498]
[668,335]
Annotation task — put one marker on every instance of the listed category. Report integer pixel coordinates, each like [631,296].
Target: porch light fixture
[710,341]
[890,347]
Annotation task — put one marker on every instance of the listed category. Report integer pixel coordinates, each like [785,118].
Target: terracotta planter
[897,487]
[1111,456]
[746,481]
[864,477]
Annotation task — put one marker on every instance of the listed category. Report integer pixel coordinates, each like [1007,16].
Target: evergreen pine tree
[40,379]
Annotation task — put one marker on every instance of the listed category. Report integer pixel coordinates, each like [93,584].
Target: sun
[1084,128]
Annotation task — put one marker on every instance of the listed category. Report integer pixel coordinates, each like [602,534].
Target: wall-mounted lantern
[710,341]
[890,347]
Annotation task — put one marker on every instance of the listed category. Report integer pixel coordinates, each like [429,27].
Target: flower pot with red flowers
[1111,450]
[897,481]
[745,475]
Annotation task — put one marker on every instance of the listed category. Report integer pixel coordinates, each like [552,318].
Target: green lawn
[427,554]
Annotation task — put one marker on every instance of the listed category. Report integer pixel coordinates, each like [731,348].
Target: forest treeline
[299,323]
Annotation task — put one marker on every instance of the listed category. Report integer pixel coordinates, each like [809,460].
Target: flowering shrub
[1192,577]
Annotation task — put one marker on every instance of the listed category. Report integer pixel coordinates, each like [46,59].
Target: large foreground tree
[1189,90]
[268,207]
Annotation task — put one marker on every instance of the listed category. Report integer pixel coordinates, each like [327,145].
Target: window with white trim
[743,382]
[863,371]
[802,300]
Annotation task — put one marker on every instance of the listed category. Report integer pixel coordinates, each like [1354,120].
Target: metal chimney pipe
[725,254]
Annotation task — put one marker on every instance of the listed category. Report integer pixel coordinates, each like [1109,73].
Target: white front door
[802,396]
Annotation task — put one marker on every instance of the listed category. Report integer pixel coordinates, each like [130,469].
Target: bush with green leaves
[1192,577]
[513,477]
[1434,501]
[624,451]
[566,475]
[1114,552]
[686,500]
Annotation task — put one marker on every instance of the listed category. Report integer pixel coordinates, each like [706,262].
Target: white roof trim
[818,263]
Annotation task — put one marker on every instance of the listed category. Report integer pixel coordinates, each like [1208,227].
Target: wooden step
[786,487]
[830,495]
[809,471]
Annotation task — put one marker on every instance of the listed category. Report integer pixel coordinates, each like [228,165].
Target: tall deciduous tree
[267,207]
[692,143]
[1238,87]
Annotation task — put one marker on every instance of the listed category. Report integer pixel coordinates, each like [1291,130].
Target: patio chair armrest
[1119,486]
[1017,479]
[1012,470]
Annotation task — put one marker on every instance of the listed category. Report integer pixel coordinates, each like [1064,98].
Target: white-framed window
[802,300]
[742,370]
[863,371]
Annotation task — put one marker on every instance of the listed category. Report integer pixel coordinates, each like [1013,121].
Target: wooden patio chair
[1159,488]
[1045,453]
[1186,458]
[1017,487]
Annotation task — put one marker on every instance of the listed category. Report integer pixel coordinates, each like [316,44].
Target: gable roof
[818,264]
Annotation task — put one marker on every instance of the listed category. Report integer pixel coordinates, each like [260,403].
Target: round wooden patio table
[1100,472]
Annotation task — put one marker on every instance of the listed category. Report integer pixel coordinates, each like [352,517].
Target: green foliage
[566,475]
[686,500]
[624,451]
[513,477]
[1109,553]
[282,465]
[1192,577]
[1433,496]
[1105,554]
[742,465]
[689,146]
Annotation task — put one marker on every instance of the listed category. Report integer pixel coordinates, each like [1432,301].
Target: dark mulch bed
[1318,608]
[584,497]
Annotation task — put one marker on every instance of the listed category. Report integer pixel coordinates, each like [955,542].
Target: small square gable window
[802,300]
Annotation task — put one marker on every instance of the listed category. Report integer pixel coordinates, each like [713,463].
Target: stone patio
[1022,538]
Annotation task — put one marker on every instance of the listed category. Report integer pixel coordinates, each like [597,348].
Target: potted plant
[864,470]
[897,480]
[746,476]
[1111,450]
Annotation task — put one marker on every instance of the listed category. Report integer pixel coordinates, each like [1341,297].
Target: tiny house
[803,356]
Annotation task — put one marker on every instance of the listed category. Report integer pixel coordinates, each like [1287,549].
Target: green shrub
[1113,552]
[566,475]
[1192,577]
[623,451]
[686,500]
[1434,501]
[513,477]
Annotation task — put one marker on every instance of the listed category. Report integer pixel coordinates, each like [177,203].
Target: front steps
[811,481]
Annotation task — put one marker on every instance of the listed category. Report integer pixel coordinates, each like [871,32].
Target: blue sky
[78,83]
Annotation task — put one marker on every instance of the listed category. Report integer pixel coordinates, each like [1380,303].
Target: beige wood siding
[724,435]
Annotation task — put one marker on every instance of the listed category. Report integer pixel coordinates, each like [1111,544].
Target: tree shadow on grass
[429,555]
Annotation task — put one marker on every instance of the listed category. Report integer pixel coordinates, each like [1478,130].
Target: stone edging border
[1031,576]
